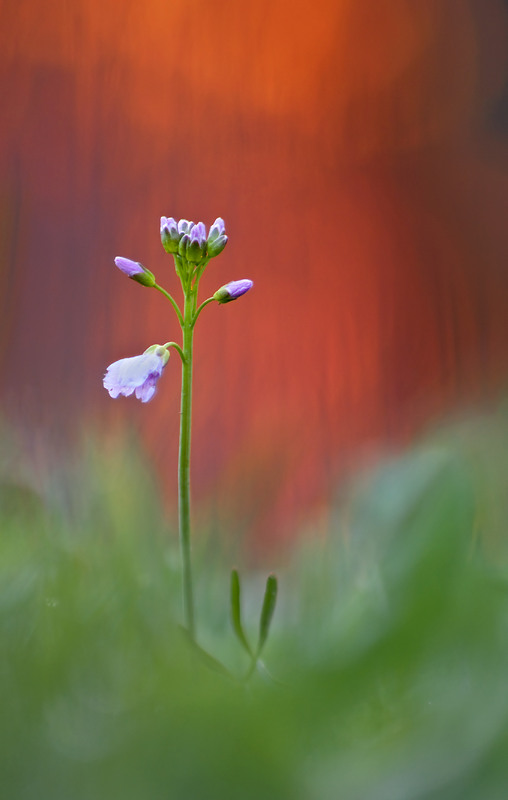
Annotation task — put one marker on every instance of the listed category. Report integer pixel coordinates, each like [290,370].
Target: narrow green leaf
[236,614]
[269,601]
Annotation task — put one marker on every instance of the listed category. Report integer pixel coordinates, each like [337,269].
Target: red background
[358,153]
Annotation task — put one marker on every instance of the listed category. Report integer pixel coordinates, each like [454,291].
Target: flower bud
[169,235]
[217,229]
[197,243]
[135,270]
[184,226]
[217,245]
[232,290]
[182,247]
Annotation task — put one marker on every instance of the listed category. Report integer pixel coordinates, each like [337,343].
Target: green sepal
[236,614]
[145,278]
[269,602]
[222,295]
[217,245]
[183,244]
[170,245]
[194,252]
[159,350]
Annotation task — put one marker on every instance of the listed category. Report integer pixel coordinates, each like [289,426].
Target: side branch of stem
[177,348]
[172,301]
[201,307]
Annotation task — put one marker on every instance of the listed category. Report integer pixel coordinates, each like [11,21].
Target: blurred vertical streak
[10,244]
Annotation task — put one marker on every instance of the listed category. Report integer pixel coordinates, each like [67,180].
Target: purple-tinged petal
[147,390]
[169,235]
[128,266]
[195,249]
[135,270]
[184,226]
[232,290]
[198,233]
[217,229]
[170,223]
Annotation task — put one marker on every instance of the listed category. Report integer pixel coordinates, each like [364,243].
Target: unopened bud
[182,247]
[217,229]
[232,290]
[197,243]
[217,245]
[169,235]
[135,270]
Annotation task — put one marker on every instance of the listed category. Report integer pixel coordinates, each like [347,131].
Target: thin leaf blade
[269,602]
[236,613]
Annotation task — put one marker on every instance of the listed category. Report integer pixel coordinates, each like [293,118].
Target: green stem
[201,307]
[199,271]
[172,301]
[184,462]
[177,348]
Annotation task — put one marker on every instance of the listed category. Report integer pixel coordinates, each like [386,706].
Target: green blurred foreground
[389,644]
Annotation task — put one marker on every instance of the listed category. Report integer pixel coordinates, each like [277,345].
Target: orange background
[358,153]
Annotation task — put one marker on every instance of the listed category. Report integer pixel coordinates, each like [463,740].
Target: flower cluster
[190,241]
[191,248]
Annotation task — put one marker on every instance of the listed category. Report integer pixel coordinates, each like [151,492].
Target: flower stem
[172,301]
[184,462]
[201,307]
[177,348]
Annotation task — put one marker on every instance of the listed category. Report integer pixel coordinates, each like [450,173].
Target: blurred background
[358,152]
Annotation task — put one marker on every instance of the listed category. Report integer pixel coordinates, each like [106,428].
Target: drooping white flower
[138,374]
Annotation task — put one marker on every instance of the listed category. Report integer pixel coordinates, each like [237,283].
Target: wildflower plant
[192,249]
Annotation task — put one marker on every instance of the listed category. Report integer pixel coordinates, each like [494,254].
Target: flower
[232,290]
[183,244]
[169,234]
[184,226]
[137,374]
[190,241]
[197,243]
[135,270]
[129,267]
[217,229]
[217,239]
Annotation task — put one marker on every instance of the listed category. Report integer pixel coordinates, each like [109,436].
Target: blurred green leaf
[236,614]
[267,610]
[392,640]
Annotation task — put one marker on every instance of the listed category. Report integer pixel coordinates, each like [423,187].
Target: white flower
[138,374]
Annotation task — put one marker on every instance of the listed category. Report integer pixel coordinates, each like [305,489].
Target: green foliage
[236,611]
[267,611]
[389,646]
